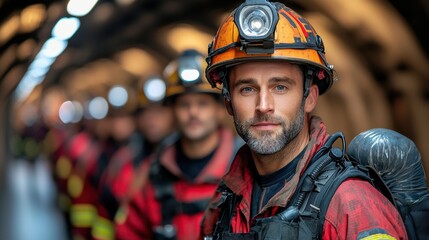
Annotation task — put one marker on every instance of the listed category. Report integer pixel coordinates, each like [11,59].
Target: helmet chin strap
[308,79]
[225,93]
[225,90]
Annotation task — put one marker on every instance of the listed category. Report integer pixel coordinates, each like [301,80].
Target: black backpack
[397,160]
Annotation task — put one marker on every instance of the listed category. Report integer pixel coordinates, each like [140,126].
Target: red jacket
[83,193]
[112,188]
[357,208]
[143,213]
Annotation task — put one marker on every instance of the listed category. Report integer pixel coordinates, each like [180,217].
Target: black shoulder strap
[324,157]
[328,169]
[164,193]
[226,205]
[335,178]
[156,164]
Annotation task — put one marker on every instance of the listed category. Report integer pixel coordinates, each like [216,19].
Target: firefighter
[153,118]
[121,106]
[94,143]
[184,173]
[154,122]
[272,67]
[72,150]
[80,188]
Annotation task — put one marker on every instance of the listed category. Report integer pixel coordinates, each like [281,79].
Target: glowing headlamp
[256,20]
[189,70]
[154,89]
[118,96]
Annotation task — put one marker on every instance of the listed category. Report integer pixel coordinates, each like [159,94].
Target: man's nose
[265,102]
[194,109]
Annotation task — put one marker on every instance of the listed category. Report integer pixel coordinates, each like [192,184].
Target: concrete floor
[27,204]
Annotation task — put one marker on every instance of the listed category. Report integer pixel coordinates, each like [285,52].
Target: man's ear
[228,106]
[311,100]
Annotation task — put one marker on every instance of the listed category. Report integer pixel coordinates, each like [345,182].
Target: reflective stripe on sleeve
[103,229]
[375,234]
[83,215]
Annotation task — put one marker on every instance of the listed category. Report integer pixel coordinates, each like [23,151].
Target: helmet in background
[150,91]
[186,75]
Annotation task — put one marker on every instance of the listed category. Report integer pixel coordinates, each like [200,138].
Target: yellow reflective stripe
[75,185]
[121,215]
[83,215]
[63,167]
[103,229]
[379,236]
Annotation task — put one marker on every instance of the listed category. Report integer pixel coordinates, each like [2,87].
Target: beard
[268,142]
[199,130]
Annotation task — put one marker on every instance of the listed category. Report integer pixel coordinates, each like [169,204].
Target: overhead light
[182,36]
[38,72]
[41,61]
[80,8]
[53,47]
[26,85]
[32,17]
[9,28]
[138,61]
[65,28]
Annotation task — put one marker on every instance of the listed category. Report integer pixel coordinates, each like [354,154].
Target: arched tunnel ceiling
[113,27]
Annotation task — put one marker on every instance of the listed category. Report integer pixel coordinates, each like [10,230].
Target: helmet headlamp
[186,75]
[189,71]
[118,96]
[256,21]
[189,75]
[154,89]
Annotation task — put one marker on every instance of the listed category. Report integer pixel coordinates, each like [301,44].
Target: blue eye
[247,90]
[281,88]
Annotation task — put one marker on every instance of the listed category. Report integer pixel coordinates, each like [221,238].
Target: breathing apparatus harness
[304,215]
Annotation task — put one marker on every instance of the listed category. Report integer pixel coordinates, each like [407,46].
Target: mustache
[264,118]
[193,119]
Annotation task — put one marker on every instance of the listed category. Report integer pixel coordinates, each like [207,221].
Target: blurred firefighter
[116,152]
[67,145]
[184,174]
[93,144]
[154,121]
[272,66]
